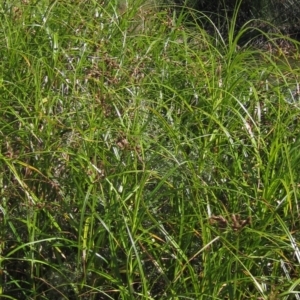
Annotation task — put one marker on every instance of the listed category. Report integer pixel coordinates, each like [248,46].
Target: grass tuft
[143,157]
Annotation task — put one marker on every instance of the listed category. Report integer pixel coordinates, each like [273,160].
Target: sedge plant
[143,157]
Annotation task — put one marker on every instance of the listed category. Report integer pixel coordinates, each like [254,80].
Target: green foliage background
[284,14]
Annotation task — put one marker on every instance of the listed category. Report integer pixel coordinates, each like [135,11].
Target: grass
[142,158]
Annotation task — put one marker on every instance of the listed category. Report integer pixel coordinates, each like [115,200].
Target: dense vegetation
[285,14]
[145,158]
